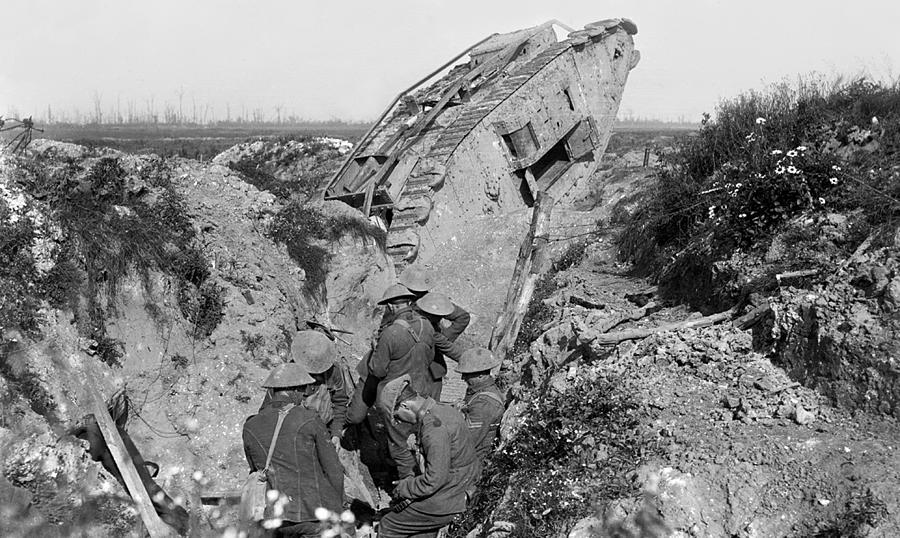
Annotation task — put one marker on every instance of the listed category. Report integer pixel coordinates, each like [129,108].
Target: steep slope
[187,331]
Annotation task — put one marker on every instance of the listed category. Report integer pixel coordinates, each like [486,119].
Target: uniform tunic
[483,409]
[304,466]
[459,320]
[450,468]
[406,346]
[339,392]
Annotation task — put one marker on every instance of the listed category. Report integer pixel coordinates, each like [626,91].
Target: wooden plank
[528,270]
[97,406]
[367,205]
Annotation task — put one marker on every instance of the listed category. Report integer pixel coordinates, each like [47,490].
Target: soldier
[435,307]
[317,353]
[406,346]
[330,394]
[418,282]
[435,497]
[304,466]
[483,404]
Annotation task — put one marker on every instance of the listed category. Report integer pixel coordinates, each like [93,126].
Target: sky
[347,59]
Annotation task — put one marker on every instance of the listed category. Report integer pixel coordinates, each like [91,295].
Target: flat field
[191,141]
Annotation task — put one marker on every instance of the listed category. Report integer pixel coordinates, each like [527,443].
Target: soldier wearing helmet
[420,284]
[483,404]
[331,391]
[437,307]
[437,495]
[405,346]
[304,466]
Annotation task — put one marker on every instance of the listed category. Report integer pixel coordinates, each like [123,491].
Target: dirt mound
[192,347]
[732,442]
[287,167]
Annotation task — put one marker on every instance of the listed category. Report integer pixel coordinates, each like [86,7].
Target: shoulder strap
[490,395]
[405,324]
[281,414]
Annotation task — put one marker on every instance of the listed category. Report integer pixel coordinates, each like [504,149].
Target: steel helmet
[477,359]
[291,374]
[396,291]
[313,350]
[390,392]
[416,280]
[436,304]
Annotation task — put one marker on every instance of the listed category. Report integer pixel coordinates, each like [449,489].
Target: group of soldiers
[312,400]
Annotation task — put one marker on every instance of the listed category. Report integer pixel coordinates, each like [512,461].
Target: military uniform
[304,466]
[483,409]
[439,493]
[406,346]
[459,320]
[339,395]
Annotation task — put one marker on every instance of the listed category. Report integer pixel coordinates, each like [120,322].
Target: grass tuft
[303,229]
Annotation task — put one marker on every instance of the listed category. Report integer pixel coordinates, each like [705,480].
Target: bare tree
[180,93]
[98,109]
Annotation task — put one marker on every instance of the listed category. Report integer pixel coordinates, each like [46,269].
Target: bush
[302,228]
[575,450]
[765,158]
[107,226]
[19,301]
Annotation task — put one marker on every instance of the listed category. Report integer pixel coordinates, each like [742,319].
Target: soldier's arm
[381,357]
[482,419]
[459,320]
[436,445]
[340,398]
[445,346]
[328,457]
[250,441]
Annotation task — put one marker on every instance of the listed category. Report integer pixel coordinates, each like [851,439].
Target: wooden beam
[529,268]
[97,405]
[370,194]
[592,336]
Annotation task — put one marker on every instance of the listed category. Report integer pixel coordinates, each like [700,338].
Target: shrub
[765,158]
[19,302]
[302,228]
[574,450]
[106,229]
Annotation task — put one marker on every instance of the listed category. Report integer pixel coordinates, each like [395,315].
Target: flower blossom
[779,170]
[822,200]
[760,121]
[836,168]
[777,152]
[792,170]
[792,153]
[802,148]
[833,180]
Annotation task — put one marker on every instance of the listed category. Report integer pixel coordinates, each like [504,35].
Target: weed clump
[768,157]
[539,313]
[303,228]
[861,513]
[83,226]
[575,450]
